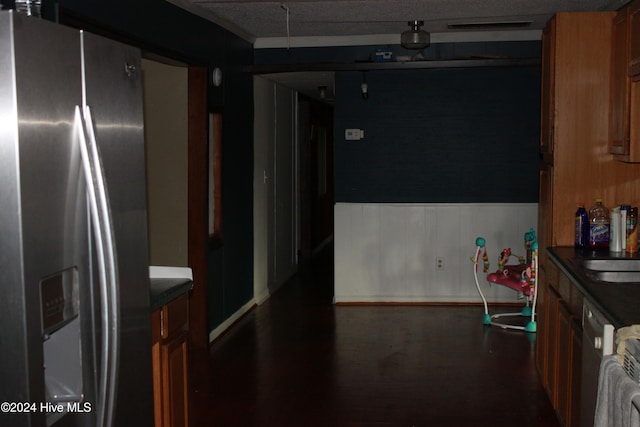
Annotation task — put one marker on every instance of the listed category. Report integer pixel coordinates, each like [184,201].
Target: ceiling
[257,20]
[311,23]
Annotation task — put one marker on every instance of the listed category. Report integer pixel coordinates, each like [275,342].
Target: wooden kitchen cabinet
[542,334]
[620,88]
[564,356]
[624,100]
[633,42]
[547,113]
[170,327]
[569,356]
[552,301]
[574,56]
[545,211]
[574,133]
[559,348]
[576,166]
[575,397]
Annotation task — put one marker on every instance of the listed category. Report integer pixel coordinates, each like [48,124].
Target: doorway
[165,90]
[293,182]
[316,177]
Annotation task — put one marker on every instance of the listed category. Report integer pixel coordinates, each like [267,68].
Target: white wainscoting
[388,252]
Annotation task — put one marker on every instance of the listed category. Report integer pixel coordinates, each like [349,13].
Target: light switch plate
[353,134]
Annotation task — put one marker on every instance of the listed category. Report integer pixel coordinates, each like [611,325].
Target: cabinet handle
[597,343]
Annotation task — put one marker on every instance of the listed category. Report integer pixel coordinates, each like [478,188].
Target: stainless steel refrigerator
[75,343]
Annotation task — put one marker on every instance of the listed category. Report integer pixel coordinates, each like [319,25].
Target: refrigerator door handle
[107,267]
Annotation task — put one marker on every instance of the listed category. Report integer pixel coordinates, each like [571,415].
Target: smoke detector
[415,38]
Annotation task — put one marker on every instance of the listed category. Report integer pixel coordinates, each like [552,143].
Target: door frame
[198,210]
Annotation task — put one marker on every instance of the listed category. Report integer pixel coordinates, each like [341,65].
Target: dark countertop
[164,291]
[618,302]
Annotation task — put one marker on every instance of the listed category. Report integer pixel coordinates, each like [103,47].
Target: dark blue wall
[434,135]
[342,54]
[450,135]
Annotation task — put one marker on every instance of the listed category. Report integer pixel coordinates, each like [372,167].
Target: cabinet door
[547,101]
[174,382]
[620,84]
[156,356]
[633,143]
[634,47]
[552,345]
[563,354]
[542,325]
[545,212]
[170,332]
[576,372]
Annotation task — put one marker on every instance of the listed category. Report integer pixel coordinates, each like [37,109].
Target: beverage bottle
[632,230]
[582,227]
[616,230]
[624,210]
[599,225]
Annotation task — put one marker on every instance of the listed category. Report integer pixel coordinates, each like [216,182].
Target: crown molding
[392,39]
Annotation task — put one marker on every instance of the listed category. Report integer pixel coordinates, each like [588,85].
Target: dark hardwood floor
[298,360]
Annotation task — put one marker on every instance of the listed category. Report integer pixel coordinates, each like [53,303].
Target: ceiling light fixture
[415,38]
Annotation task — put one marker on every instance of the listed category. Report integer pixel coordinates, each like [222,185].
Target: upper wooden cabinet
[634,42]
[577,52]
[547,104]
[573,135]
[624,123]
[620,84]
[624,101]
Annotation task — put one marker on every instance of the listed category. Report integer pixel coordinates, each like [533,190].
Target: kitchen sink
[616,270]
[615,265]
[615,276]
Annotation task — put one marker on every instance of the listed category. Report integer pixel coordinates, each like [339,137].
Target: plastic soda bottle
[632,230]
[599,225]
[582,227]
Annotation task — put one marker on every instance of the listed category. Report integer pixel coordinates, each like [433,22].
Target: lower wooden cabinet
[551,353]
[542,333]
[559,347]
[170,328]
[564,354]
[575,397]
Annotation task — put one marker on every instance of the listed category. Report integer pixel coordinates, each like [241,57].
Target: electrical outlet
[439,263]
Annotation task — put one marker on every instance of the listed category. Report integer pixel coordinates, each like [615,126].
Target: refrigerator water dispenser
[61,339]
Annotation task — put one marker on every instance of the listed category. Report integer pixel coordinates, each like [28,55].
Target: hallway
[298,360]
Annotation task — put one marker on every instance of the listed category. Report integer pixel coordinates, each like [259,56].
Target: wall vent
[489,25]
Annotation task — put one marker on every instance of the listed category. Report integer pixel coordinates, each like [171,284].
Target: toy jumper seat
[520,277]
[514,277]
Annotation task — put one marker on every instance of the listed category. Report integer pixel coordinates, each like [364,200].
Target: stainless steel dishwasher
[597,341]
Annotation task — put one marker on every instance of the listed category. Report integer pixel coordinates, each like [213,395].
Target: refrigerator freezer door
[43,220]
[45,226]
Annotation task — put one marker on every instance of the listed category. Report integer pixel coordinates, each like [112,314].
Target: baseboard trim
[425,303]
[231,320]
[326,242]
[263,297]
